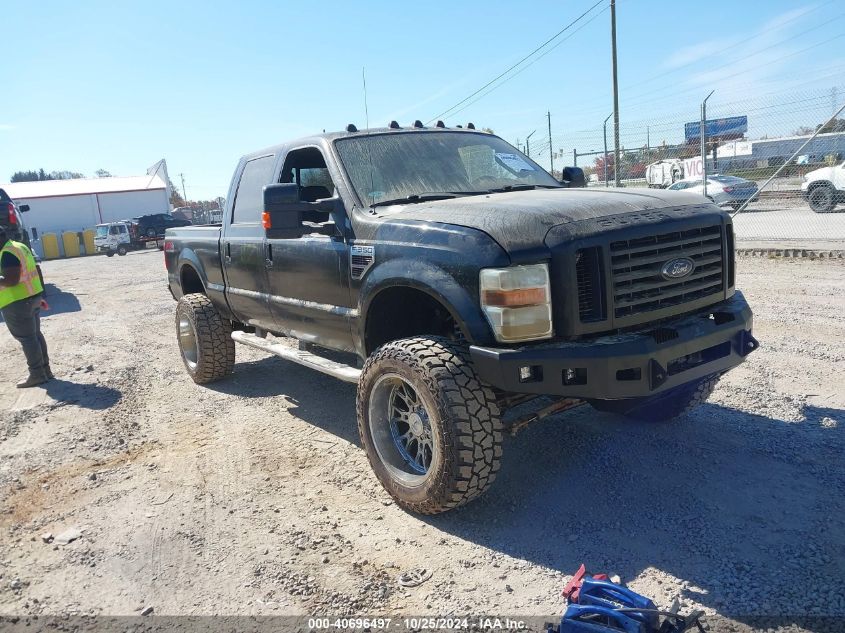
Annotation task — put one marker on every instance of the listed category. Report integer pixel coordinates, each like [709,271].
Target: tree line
[35,175]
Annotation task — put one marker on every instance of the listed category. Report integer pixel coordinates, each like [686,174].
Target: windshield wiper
[526,187]
[417,197]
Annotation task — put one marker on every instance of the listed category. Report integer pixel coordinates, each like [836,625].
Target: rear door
[242,245]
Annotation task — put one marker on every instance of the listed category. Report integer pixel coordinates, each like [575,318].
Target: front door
[308,277]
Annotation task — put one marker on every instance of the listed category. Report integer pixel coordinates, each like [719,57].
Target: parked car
[11,218]
[722,190]
[155,224]
[824,188]
[451,277]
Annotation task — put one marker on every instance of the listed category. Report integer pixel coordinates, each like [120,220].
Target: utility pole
[605,147]
[615,94]
[184,195]
[647,137]
[527,146]
[703,134]
[551,153]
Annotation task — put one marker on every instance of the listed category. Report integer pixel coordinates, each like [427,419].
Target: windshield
[386,167]
[102,230]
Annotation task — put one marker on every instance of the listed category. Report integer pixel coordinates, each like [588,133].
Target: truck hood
[824,173]
[520,220]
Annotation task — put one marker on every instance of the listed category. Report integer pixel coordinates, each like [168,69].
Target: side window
[122,229]
[248,198]
[113,230]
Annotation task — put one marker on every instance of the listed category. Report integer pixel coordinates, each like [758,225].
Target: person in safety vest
[21,299]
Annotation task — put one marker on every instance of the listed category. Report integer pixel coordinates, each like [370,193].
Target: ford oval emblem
[677,268]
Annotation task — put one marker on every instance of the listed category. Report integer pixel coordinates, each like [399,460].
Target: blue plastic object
[587,618]
[603,593]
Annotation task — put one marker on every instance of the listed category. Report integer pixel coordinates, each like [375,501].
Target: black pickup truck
[451,277]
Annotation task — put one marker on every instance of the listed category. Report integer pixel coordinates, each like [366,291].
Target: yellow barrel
[88,240]
[50,245]
[70,242]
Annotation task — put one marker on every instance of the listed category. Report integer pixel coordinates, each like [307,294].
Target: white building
[82,203]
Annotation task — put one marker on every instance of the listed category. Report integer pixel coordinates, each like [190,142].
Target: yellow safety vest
[30,283]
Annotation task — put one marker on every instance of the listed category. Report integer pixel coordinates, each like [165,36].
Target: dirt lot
[253,496]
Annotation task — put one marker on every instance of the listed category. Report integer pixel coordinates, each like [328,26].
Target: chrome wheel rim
[400,425]
[188,342]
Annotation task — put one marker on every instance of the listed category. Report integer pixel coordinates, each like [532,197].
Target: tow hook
[747,343]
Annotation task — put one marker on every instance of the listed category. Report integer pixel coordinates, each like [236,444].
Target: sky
[91,85]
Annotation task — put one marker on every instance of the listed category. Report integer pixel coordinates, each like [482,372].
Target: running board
[307,359]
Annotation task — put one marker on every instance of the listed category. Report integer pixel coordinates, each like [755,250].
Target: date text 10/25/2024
[415,624]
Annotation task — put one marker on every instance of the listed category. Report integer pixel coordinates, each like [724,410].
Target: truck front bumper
[628,365]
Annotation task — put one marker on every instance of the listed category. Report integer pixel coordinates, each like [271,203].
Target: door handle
[268,257]
[228,256]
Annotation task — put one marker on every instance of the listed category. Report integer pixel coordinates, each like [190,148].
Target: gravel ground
[253,497]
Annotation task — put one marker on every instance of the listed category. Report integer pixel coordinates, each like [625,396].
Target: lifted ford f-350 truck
[460,278]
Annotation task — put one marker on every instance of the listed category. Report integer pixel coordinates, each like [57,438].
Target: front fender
[435,282]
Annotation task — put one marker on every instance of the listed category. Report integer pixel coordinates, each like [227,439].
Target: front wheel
[664,406]
[121,250]
[205,339]
[430,428]
[822,199]
[109,253]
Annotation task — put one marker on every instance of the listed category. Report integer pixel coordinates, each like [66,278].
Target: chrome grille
[639,286]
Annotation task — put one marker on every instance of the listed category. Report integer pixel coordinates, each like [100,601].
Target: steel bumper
[627,365]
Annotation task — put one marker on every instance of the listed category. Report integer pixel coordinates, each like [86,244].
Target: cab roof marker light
[418,124]
[440,124]
[470,126]
[393,125]
[351,128]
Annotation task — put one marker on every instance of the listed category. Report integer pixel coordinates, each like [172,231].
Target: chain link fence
[780,155]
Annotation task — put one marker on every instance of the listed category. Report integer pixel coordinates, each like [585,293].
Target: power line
[528,65]
[543,45]
[727,48]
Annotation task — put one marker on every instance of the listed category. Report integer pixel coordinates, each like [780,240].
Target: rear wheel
[151,232]
[205,339]
[822,199]
[430,428]
[664,406]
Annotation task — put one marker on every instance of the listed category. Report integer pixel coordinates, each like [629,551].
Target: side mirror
[24,207]
[573,177]
[282,217]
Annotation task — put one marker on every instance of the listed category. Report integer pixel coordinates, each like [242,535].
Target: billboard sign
[733,126]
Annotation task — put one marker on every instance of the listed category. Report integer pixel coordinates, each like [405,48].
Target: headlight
[517,302]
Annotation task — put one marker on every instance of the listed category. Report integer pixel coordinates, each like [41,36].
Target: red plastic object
[572,589]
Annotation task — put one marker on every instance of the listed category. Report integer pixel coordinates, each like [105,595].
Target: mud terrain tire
[464,428]
[204,338]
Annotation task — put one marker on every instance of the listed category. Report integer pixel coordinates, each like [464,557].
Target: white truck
[664,173]
[824,188]
[122,237]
